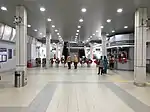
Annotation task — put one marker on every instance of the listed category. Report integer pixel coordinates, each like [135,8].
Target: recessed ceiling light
[78,30]
[4,8]
[119,10]
[80,20]
[56,30]
[83,9]
[77,34]
[35,30]
[125,27]
[53,26]
[57,33]
[102,26]
[59,36]
[108,20]
[79,26]
[90,36]
[107,34]
[42,9]
[49,20]
[97,31]
[29,25]
[44,36]
[93,34]
[113,31]
[40,33]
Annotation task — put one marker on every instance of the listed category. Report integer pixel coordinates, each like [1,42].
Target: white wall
[10,64]
[122,37]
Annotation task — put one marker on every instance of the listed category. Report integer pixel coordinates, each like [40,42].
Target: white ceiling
[65,15]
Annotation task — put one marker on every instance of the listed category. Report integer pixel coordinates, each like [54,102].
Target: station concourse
[39,39]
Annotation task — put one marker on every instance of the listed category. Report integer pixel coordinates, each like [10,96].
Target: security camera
[17,20]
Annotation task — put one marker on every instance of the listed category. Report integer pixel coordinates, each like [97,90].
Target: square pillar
[104,49]
[21,46]
[140,47]
[48,43]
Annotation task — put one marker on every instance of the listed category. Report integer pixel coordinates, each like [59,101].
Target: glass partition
[1,30]
[7,33]
[13,34]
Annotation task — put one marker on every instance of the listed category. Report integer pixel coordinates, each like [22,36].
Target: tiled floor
[81,90]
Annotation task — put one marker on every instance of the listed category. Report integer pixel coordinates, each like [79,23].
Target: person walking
[105,64]
[111,62]
[69,62]
[100,66]
[75,61]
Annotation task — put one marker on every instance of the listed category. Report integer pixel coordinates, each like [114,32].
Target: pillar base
[140,84]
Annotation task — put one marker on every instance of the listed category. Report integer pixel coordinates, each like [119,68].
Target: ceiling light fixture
[3,8]
[42,9]
[78,30]
[57,33]
[108,20]
[125,27]
[35,30]
[49,20]
[107,34]
[59,36]
[90,36]
[119,10]
[77,34]
[80,20]
[97,31]
[93,34]
[113,31]
[79,26]
[83,9]
[102,26]
[56,30]
[40,33]
[29,25]
[53,26]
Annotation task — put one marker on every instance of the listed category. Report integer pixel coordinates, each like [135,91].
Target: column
[21,46]
[91,52]
[104,49]
[140,47]
[48,42]
[57,45]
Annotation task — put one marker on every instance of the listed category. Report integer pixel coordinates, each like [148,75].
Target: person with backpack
[100,66]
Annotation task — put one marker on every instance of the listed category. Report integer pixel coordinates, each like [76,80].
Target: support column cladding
[104,49]
[48,42]
[57,54]
[140,47]
[21,42]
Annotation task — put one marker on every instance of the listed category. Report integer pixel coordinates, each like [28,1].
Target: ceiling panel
[66,13]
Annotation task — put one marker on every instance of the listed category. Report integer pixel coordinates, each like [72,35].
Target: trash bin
[20,79]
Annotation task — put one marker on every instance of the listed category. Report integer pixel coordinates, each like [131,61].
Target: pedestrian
[75,62]
[100,66]
[69,62]
[111,62]
[105,64]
